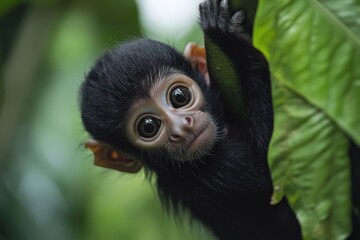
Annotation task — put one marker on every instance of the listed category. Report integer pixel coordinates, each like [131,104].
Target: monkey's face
[173,119]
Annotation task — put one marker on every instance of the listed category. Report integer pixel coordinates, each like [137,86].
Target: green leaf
[314,51]
[309,163]
[224,77]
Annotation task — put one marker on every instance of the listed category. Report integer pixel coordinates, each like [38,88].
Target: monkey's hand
[230,32]
[216,18]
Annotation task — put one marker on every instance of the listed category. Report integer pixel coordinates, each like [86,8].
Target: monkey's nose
[175,138]
[181,129]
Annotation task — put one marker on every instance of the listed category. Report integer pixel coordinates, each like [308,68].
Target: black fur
[228,190]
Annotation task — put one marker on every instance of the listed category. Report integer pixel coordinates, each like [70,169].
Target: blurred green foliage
[49,188]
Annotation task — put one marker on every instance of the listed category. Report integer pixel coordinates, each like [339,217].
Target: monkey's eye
[180,96]
[149,126]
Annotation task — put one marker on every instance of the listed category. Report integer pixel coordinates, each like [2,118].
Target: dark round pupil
[180,96]
[148,127]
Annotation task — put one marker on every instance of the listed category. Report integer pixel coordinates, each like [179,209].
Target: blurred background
[49,188]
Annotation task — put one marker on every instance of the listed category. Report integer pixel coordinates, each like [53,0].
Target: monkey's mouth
[200,140]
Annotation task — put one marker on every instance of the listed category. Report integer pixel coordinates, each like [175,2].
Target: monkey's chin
[201,144]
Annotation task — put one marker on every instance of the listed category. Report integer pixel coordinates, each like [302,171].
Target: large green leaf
[309,163]
[314,51]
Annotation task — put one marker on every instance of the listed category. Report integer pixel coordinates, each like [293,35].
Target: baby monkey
[146,105]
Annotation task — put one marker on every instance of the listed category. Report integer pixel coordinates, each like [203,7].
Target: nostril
[189,120]
[175,137]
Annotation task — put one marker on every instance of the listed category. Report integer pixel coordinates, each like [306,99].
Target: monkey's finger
[236,22]
[223,15]
[212,10]
[203,16]
[206,13]
[214,7]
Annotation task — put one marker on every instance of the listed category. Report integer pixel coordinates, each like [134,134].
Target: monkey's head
[144,102]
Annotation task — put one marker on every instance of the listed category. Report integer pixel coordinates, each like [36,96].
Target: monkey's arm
[230,32]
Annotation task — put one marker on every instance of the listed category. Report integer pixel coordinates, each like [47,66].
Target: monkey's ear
[197,56]
[107,157]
